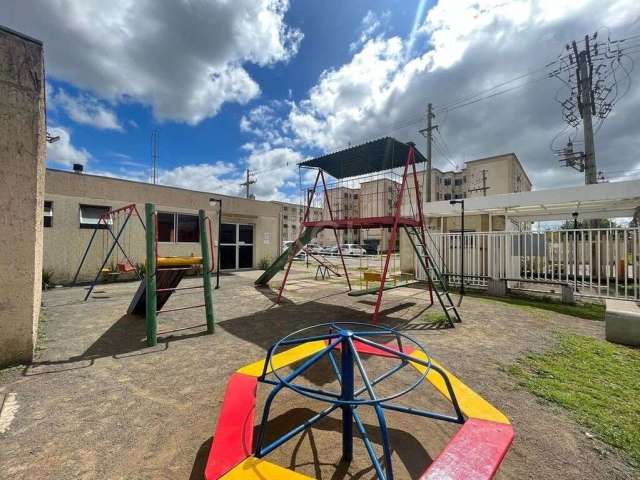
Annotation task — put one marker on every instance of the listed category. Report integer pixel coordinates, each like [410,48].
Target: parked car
[352,249]
[330,250]
[316,249]
[371,249]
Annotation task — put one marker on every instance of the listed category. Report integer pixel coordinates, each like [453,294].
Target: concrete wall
[65,241]
[22,158]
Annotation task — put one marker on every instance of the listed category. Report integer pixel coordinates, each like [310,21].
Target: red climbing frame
[345,222]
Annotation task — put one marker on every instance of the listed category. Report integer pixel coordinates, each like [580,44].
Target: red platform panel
[474,453]
[362,347]
[233,437]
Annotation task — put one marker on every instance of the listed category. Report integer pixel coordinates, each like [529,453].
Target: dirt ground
[97,403]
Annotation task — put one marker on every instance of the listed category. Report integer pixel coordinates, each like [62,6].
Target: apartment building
[291,216]
[377,198]
[345,204]
[484,176]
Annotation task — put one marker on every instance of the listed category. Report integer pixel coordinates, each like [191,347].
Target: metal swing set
[113,223]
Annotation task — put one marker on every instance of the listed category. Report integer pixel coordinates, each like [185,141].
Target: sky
[265,84]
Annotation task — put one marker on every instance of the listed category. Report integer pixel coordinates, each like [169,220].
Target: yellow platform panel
[471,404]
[258,469]
[284,358]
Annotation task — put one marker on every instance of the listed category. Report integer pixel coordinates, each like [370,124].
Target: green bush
[142,268]
[264,263]
[47,278]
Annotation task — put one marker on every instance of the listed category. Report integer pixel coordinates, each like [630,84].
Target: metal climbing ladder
[434,276]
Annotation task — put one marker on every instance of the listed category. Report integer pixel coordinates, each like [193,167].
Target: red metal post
[394,233]
[297,242]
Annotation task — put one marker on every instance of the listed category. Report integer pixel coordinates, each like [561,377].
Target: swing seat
[125,267]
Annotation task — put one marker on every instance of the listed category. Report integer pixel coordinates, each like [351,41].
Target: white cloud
[204,177]
[469,46]
[371,24]
[62,152]
[183,58]
[276,171]
[83,108]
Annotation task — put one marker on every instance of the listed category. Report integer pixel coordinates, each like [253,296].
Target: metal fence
[602,262]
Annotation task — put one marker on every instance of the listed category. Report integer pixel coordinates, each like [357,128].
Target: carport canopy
[602,200]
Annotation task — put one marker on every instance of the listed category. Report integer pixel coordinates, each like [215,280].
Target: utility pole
[428,134]
[484,187]
[155,153]
[248,182]
[587,108]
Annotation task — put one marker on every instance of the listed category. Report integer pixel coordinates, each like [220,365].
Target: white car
[353,250]
[316,249]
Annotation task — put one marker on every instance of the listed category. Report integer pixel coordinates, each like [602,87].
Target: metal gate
[596,262]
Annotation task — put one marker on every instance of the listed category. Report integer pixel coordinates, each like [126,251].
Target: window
[464,179]
[355,196]
[285,208]
[166,227]
[178,227]
[458,182]
[447,196]
[346,195]
[48,213]
[286,217]
[90,215]
[188,228]
[447,181]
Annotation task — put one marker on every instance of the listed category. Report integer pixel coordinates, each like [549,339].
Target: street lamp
[461,202]
[575,220]
[212,202]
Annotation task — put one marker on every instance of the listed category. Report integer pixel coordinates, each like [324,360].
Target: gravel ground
[97,403]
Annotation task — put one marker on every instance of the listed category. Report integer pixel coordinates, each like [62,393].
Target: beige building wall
[22,159]
[344,205]
[65,241]
[291,221]
[377,199]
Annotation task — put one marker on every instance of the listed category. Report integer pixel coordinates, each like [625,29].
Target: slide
[164,279]
[308,235]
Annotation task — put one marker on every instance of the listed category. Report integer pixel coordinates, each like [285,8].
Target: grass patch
[436,319]
[589,311]
[596,381]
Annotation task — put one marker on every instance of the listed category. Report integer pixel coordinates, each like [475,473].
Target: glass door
[245,246]
[236,246]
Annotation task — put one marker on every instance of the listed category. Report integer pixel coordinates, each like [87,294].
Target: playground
[98,402]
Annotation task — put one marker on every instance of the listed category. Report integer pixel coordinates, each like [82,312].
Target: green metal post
[206,274]
[150,277]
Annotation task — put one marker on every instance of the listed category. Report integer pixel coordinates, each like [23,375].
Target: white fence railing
[600,262]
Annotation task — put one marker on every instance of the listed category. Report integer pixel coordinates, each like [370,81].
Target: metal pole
[150,277]
[206,274]
[590,172]
[84,256]
[429,140]
[462,253]
[347,394]
[106,259]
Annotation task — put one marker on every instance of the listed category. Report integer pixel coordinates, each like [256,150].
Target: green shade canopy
[375,156]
